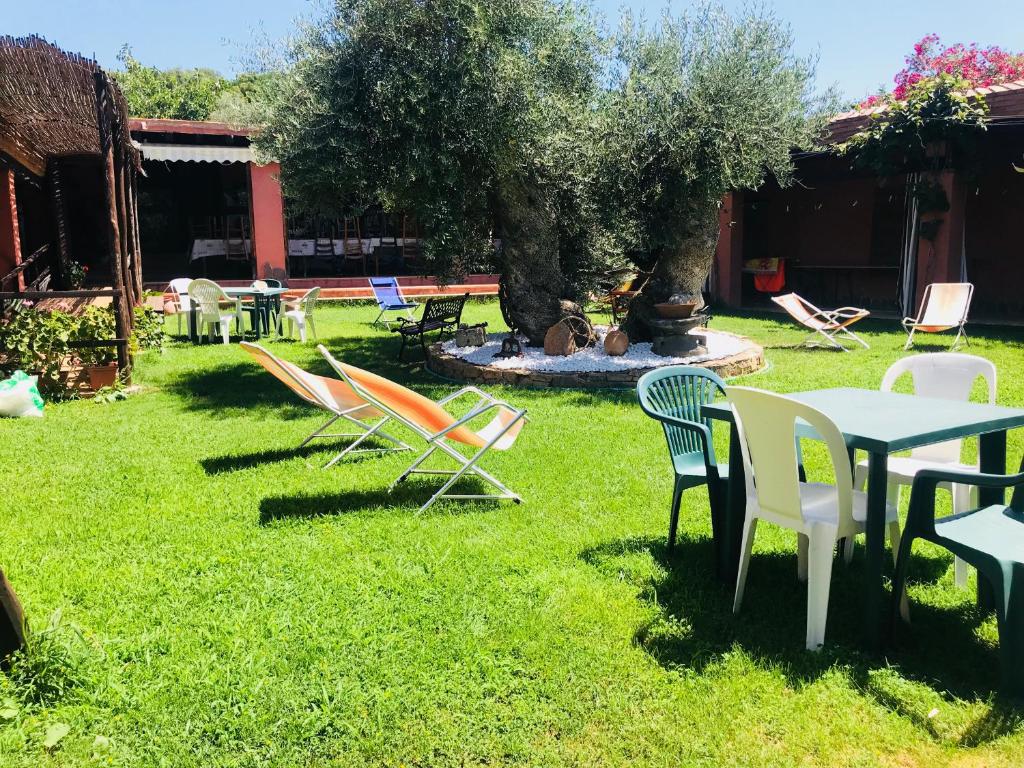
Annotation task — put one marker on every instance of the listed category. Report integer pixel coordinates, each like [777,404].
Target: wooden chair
[621,296]
[410,242]
[237,245]
[352,243]
[442,314]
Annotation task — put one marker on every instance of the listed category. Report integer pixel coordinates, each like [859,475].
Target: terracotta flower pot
[101,375]
[616,343]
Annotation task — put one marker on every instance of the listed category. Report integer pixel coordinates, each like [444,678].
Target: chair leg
[899,579]
[1011,631]
[747,544]
[301,322]
[910,340]
[673,520]
[894,542]
[819,582]
[225,331]
[312,327]
[962,501]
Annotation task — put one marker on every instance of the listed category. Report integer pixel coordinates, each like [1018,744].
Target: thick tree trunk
[680,273]
[532,276]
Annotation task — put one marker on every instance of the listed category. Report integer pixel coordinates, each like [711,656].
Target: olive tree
[698,105]
[467,113]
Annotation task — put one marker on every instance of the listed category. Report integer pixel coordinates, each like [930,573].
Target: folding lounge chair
[390,299]
[439,429]
[944,306]
[827,323]
[333,396]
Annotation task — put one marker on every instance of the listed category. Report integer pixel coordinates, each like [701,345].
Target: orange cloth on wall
[771,282]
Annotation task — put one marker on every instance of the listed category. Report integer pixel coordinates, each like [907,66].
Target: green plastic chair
[991,539]
[674,396]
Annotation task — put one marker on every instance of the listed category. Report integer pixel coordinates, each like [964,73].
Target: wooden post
[121,320]
[729,253]
[133,220]
[59,212]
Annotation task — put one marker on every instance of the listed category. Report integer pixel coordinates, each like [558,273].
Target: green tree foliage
[699,105]
[935,123]
[178,94]
[469,113]
[246,100]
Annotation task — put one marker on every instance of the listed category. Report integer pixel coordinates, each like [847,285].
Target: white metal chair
[827,323]
[944,306]
[820,513]
[216,308]
[943,376]
[179,298]
[440,430]
[300,314]
[333,396]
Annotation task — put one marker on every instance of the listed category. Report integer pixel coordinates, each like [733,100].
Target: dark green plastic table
[879,423]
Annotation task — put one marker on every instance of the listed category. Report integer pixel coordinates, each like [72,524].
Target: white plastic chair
[300,315]
[180,299]
[820,513]
[943,376]
[215,308]
[943,306]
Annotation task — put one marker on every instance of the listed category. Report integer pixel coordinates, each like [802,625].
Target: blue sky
[861,44]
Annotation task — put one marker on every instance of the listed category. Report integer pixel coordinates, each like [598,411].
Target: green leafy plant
[37,342]
[180,94]
[50,666]
[148,329]
[96,324]
[74,274]
[935,126]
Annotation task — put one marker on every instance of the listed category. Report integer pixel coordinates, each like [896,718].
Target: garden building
[842,235]
[68,184]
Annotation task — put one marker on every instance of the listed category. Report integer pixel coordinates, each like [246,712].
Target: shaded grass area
[226,602]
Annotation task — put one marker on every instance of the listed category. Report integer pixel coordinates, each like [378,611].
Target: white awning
[195,153]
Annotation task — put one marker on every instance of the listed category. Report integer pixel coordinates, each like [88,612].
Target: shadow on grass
[234,462]
[694,626]
[405,497]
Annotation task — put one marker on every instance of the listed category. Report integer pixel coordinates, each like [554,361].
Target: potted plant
[97,324]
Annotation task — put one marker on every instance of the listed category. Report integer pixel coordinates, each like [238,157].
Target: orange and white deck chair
[944,306]
[333,396]
[439,429]
[827,323]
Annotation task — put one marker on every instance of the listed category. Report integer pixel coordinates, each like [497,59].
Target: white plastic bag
[19,396]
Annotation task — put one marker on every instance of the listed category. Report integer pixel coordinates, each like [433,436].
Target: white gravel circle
[639,356]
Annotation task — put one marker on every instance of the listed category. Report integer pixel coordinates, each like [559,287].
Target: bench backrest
[443,309]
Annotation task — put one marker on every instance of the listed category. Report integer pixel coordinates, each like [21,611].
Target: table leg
[991,461]
[729,533]
[874,597]
[193,325]
[257,316]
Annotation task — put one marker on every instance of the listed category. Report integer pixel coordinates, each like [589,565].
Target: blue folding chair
[390,299]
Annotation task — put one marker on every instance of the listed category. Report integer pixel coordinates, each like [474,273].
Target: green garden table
[880,423]
[263,299]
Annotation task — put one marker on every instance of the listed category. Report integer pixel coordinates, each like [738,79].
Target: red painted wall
[268,228]
[995,234]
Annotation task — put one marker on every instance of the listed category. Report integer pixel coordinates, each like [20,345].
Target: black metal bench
[441,314]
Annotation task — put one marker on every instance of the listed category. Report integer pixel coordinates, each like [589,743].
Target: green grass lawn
[225,602]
